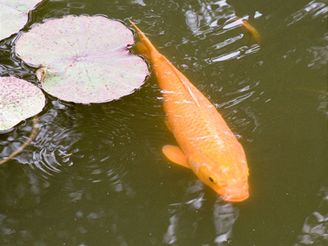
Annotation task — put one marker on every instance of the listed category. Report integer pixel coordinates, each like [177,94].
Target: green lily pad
[19,100]
[83,59]
[14,15]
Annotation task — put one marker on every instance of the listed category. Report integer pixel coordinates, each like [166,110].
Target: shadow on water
[185,220]
[315,227]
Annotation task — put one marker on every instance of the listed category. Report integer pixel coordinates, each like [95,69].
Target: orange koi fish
[206,144]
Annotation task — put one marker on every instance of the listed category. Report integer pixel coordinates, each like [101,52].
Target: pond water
[95,175]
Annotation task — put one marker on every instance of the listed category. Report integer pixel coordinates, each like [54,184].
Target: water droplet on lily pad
[19,100]
[14,15]
[83,59]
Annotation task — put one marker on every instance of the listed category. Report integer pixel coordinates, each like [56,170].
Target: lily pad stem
[25,144]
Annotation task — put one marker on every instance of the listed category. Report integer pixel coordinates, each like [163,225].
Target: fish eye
[211,179]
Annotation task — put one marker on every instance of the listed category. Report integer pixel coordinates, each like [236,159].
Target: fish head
[229,181]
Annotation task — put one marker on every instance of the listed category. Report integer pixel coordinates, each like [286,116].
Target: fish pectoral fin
[168,126]
[175,154]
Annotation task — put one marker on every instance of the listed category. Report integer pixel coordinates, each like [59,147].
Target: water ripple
[53,145]
[313,9]
[319,54]
[209,16]
[214,20]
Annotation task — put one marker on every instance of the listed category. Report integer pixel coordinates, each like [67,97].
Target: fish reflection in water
[315,227]
[224,217]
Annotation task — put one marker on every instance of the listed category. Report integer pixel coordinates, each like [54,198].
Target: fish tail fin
[252,30]
[142,49]
[144,46]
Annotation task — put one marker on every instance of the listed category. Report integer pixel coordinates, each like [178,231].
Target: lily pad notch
[83,59]
[19,100]
[14,15]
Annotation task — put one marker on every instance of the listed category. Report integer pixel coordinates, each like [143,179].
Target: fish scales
[200,122]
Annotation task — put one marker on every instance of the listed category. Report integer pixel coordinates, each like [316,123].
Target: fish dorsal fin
[185,84]
[191,93]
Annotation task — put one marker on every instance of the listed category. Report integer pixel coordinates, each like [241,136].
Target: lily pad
[19,100]
[14,15]
[86,58]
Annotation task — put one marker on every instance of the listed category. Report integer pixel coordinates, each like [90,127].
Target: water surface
[95,175]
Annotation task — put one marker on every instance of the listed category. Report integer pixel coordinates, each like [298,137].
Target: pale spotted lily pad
[14,15]
[19,100]
[85,59]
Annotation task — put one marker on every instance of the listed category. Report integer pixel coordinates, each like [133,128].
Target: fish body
[206,144]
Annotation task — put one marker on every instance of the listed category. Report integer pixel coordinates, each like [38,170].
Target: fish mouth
[238,198]
[236,194]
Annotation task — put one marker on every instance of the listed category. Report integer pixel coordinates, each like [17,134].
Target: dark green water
[95,175]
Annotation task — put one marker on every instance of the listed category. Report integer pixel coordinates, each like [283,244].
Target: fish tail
[142,49]
[144,46]
[252,30]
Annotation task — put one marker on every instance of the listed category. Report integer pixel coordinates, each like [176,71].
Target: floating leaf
[83,59]
[19,100]
[13,15]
